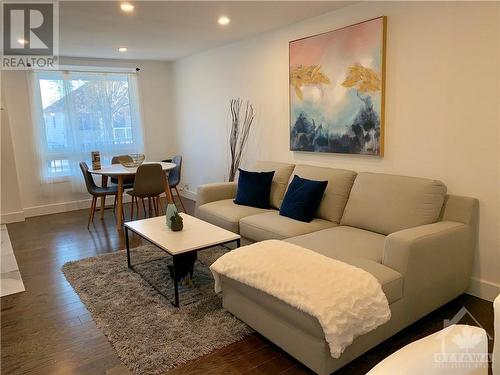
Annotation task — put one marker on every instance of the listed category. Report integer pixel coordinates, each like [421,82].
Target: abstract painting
[337,90]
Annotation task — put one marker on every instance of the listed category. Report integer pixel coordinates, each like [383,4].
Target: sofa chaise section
[297,332]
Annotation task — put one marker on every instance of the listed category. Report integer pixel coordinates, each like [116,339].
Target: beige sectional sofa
[407,232]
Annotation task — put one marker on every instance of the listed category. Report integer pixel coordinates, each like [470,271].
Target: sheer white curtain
[76,113]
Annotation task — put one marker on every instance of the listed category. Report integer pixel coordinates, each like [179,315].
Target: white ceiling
[168,30]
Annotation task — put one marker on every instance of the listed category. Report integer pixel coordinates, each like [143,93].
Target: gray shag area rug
[150,335]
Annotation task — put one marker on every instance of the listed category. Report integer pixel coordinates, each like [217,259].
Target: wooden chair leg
[180,200]
[155,202]
[137,207]
[143,207]
[173,198]
[103,206]
[92,210]
[132,209]
[160,203]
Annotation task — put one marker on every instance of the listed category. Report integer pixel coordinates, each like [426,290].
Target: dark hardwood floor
[47,330]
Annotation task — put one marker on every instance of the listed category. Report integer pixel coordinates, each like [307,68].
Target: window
[79,112]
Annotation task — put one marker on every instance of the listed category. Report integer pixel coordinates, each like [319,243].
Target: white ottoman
[455,350]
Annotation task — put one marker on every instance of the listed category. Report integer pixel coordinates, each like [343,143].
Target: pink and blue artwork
[337,90]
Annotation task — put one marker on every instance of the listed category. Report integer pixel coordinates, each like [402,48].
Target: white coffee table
[197,235]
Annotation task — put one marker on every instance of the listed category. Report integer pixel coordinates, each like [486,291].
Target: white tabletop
[118,169]
[197,234]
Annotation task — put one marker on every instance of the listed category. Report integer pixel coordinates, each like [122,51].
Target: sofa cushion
[343,241]
[254,188]
[282,173]
[226,214]
[357,247]
[302,199]
[391,280]
[271,225]
[386,203]
[336,193]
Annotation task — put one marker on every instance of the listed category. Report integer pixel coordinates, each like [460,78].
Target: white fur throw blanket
[346,300]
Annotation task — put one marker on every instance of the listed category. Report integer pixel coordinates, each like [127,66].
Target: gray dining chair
[128,182]
[95,190]
[148,183]
[174,177]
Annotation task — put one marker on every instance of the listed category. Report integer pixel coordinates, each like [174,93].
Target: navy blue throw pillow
[302,199]
[254,188]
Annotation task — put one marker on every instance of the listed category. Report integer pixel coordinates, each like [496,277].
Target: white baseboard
[188,194]
[483,289]
[12,217]
[56,208]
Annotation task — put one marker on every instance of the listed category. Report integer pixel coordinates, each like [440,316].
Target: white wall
[155,90]
[10,205]
[442,116]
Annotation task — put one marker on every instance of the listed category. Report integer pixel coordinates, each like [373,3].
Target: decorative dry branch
[240,129]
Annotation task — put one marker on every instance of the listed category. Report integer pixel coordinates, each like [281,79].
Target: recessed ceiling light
[122,49]
[127,7]
[22,41]
[223,20]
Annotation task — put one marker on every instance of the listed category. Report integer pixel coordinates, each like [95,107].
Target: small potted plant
[176,222]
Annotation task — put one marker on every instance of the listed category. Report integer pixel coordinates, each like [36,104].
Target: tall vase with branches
[241,123]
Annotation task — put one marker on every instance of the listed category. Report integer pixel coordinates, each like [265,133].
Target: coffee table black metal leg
[176,284]
[238,243]
[128,248]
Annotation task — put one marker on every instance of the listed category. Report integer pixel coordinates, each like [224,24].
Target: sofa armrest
[436,242]
[433,259]
[215,192]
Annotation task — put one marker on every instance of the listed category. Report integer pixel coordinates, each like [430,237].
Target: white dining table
[119,172]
